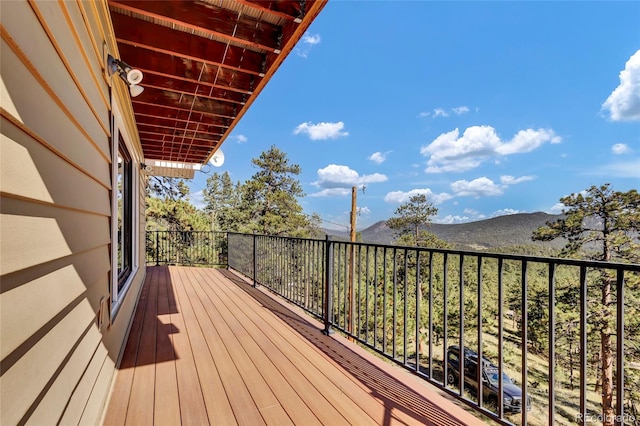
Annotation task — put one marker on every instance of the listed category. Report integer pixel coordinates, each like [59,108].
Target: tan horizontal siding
[92,53]
[31,104]
[95,33]
[32,297]
[55,55]
[54,398]
[23,383]
[33,233]
[32,170]
[90,381]
[55,212]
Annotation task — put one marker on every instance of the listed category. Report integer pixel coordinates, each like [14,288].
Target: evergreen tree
[222,199]
[169,209]
[600,224]
[269,200]
[410,217]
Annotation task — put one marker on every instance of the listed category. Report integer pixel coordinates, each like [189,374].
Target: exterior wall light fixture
[129,75]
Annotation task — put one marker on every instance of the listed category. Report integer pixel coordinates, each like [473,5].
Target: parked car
[512,394]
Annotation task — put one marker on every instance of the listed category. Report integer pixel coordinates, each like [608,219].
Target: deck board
[206,347]
[324,389]
[167,401]
[142,395]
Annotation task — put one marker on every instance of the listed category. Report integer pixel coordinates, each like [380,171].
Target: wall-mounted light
[129,75]
[146,167]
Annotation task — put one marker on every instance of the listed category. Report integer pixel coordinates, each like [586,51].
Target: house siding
[57,363]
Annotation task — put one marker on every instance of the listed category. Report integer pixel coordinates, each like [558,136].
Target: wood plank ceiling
[204,63]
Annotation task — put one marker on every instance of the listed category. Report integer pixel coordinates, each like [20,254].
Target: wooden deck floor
[207,348]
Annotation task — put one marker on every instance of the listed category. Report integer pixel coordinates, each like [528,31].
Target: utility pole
[352,234]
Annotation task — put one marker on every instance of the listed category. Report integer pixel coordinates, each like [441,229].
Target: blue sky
[488,108]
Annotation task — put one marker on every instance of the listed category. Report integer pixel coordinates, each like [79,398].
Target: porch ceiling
[204,63]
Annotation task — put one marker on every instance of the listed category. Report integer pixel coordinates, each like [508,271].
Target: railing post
[157,250]
[620,338]
[255,259]
[328,279]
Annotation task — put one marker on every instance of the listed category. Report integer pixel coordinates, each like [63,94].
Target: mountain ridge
[486,234]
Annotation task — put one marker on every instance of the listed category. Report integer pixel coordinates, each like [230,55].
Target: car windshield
[493,378]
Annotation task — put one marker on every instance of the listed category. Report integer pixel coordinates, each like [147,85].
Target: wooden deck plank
[121,392]
[256,360]
[244,407]
[226,353]
[142,388]
[275,353]
[188,353]
[338,388]
[167,403]
[401,401]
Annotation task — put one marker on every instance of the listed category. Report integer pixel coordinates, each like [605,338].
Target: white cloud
[527,141]
[197,199]
[460,110]
[474,213]
[378,157]
[505,212]
[556,209]
[620,149]
[439,112]
[451,152]
[623,103]
[476,188]
[484,186]
[241,138]
[364,210]
[321,131]
[311,39]
[338,176]
[470,215]
[449,219]
[510,180]
[400,197]
[331,192]
[622,169]
[307,42]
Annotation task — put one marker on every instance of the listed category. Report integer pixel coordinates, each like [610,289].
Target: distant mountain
[489,234]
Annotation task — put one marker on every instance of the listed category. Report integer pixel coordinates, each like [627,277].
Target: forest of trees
[597,224]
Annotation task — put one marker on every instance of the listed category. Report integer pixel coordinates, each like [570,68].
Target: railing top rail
[635,267]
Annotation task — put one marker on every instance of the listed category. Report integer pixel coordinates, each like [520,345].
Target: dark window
[124,188]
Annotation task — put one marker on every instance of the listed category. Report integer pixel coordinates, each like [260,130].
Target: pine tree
[222,198]
[600,224]
[269,200]
[410,217]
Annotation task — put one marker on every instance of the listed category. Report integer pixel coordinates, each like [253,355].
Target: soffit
[204,63]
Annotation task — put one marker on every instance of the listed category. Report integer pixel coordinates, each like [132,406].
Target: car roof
[470,353]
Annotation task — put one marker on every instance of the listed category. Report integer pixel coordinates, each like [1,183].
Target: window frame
[121,142]
[124,211]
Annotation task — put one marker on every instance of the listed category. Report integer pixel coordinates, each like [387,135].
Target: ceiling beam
[177,124]
[188,102]
[188,69]
[136,32]
[169,84]
[201,17]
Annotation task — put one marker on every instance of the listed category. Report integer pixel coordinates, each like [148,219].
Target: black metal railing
[534,319]
[205,248]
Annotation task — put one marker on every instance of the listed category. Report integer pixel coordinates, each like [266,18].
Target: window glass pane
[124,185]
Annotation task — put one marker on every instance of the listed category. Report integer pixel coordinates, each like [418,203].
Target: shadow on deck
[206,347]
